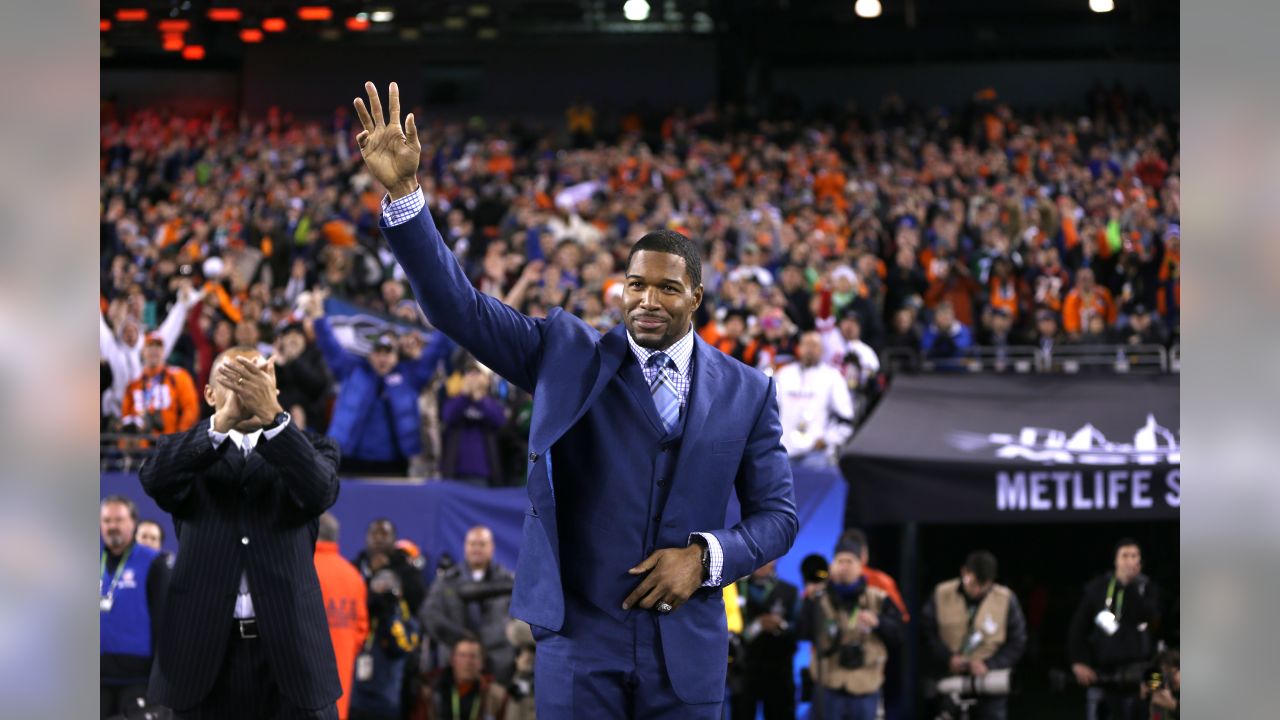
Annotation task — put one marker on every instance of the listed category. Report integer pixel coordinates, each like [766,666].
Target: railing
[124,452]
[1026,359]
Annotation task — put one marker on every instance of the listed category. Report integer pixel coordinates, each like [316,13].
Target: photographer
[1113,634]
[1164,686]
[852,627]
[973,626]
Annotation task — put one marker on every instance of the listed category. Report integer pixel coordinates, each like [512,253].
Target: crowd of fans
[901,230]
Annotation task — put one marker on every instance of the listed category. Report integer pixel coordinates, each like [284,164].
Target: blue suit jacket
[731,441]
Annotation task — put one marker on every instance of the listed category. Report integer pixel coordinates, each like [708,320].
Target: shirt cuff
[399,212]
[717,559]
[269,434]
[216,437]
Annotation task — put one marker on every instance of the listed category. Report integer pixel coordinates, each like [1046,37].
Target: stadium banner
[357,328]
[1018,448]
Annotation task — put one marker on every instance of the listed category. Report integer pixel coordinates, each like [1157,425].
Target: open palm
[390,152]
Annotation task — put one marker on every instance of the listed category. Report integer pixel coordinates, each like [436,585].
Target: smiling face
[658,299]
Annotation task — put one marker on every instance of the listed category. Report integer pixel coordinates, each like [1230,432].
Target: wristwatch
[706,556]
[280,419]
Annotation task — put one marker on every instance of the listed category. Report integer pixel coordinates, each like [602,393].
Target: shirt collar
[680,352]
[243,441]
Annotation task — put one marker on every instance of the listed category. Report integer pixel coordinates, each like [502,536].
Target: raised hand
[390,152]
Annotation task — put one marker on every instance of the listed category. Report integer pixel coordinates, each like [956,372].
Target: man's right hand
[230,413]
[1084,674]
[958,665]
[391,153]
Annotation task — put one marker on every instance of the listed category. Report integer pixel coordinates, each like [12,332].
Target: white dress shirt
[246,443]
[810,399]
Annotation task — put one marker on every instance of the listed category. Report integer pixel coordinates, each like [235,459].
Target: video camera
[1127,676]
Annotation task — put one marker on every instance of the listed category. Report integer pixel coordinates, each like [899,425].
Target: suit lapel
[639,389]
[612,349]
[706,383]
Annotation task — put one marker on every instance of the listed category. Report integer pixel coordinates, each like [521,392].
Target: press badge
[364,667]
[104,604]
[989,625]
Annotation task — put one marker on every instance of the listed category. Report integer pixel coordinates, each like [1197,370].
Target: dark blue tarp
[437,515]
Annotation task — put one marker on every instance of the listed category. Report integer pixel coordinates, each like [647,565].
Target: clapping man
[246,634]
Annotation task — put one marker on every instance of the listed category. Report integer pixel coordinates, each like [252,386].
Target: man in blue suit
[638,437]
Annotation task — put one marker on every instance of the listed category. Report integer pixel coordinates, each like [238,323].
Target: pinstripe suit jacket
[257,515]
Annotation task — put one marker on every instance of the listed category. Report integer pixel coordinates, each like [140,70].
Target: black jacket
[258,515]
[1139,618]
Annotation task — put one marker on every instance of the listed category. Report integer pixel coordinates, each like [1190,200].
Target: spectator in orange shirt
[1088,298]
[163,400]
[345,604]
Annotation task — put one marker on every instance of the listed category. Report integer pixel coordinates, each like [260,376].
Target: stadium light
[131,15]
[274,24]
[173,26]
[173,42]
[224,14]
[104,25]
[193,52]
[315,13]
[867,8]
[250,35]
[1102,6]
[635,10]
[381,16]
[357,24]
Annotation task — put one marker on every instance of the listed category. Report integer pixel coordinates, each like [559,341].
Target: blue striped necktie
[665,398]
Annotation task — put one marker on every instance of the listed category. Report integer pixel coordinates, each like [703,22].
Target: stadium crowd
[902,230]
[829,241]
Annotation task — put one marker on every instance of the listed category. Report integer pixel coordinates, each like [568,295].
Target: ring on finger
[664,607]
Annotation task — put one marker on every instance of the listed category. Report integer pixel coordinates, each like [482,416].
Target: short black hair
[672,243]
[378,521]
[122,500]
[159,527]
[982,564]
[857,536]
[1123,543]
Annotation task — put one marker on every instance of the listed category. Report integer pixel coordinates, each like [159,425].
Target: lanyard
[1119,597]
[457,703]
[111,589]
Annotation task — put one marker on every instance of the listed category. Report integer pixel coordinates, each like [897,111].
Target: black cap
[849,545]
[1138,309]
[386,341]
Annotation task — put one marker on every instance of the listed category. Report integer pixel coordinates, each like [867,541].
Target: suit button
[662,483]
[244,540]
[533,457]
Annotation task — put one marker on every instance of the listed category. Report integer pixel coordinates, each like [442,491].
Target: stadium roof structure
[793,31]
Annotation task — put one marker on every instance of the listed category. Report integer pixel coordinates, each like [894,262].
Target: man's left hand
[674,574]
[977,668]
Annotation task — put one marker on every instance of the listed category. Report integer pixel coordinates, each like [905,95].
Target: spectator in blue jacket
[375,418]
[946,340]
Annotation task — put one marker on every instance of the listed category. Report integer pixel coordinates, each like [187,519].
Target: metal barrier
[124,452]
[1066,359]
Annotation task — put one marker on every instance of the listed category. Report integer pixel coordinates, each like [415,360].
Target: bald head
[478,547]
